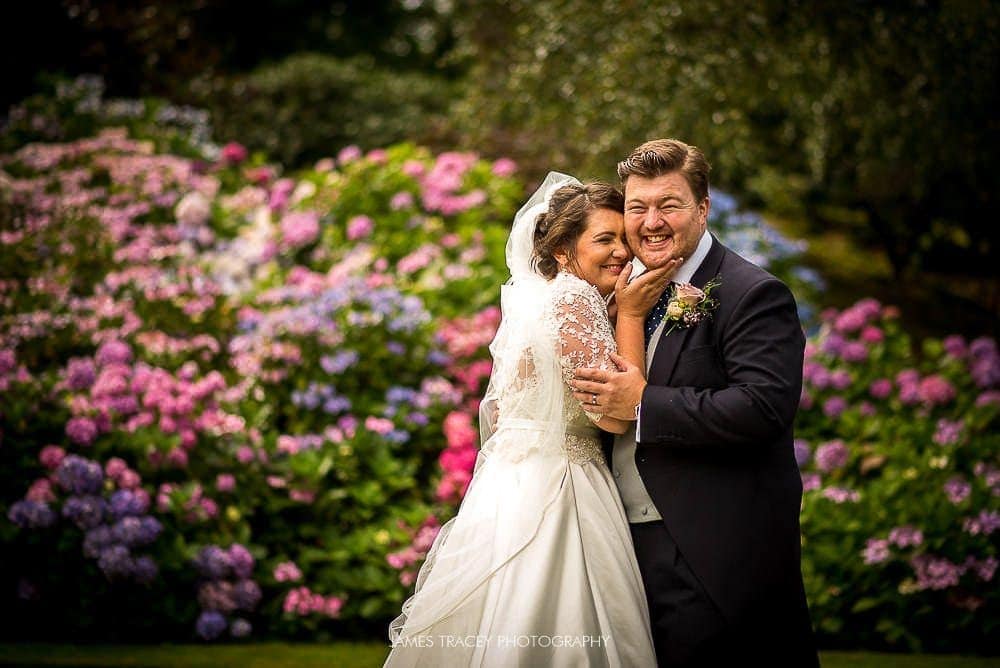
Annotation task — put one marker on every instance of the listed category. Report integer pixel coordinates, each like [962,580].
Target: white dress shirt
[638,504]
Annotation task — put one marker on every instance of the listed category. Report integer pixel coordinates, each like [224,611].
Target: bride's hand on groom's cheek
[617,392]
[635,298]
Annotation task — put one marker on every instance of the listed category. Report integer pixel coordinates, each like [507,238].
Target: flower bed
[236,402]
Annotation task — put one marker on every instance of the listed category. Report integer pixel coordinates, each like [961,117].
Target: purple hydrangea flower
[935,572]
[79,475]
[217,595]
[80,373]
[834,407]
[954,346]
[149,530]
[86,511]
[213,562]
[97,539]
[984,524]
[241,560]
[114,352]
[984,365]
[337,404]
[831,456]
[29,514]
[127,530]
[840,379]
[841,495]
[948,432]
[246,594]
[8,361]
[418,419]
[957,489]
[854,351]
[881,388]
[210,624]
[115,561]
[240,628]
[906,536]
[833,345]
[438,358]
[125,502]
[339,362]
[144,570]
[876,551]
[985,569]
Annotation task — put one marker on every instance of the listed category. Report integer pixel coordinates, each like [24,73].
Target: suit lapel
[669,347]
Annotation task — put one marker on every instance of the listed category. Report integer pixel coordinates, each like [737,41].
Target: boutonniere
[691,305]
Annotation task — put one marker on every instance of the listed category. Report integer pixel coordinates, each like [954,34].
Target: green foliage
[870,117]
[311,105]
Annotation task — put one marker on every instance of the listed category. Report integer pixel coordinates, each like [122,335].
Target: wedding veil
[520,414]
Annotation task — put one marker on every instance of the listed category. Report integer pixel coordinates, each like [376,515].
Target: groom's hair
[663,156]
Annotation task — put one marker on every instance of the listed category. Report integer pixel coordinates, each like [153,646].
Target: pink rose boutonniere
[691,305]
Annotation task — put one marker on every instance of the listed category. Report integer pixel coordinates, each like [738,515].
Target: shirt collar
[690,266]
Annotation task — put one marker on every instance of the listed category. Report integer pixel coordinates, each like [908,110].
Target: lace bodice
[584,334]
[572,331]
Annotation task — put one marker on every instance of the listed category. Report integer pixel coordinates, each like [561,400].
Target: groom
[708,475]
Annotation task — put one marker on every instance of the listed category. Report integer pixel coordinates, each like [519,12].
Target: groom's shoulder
[746,273]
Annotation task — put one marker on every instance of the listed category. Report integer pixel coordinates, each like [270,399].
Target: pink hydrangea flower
[348,154]
[225,482]
[287,571]
[234,153]
[51,456]
[380,426]
[299,228]
[504,167]
[359,227]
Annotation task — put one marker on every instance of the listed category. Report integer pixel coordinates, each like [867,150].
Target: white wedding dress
[537,568]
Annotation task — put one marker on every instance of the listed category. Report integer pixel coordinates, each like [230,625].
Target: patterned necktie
[659,310]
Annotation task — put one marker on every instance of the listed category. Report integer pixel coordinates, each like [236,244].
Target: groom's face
[663,220]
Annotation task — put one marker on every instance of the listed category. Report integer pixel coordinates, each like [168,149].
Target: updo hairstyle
[559,228]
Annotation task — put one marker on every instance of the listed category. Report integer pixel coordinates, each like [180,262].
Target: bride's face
[601,251]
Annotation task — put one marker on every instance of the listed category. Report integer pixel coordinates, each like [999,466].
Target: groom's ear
[705,206]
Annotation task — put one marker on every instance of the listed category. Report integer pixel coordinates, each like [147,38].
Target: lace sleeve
[585,336]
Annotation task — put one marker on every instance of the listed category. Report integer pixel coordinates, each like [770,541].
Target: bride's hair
[558,228]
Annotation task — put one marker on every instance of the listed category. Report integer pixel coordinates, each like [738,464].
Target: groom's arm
[762,350]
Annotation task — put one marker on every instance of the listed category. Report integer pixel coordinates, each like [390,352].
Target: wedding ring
[593,399]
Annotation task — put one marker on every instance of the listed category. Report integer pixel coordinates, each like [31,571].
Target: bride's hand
[635,299]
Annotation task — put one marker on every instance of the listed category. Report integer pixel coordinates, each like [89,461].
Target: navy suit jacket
[716,452]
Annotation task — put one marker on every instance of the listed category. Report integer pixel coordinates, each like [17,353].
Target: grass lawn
[349,655]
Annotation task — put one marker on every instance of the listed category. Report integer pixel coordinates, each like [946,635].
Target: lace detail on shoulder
[584,334]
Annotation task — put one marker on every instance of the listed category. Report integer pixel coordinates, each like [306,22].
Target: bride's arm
[586,339]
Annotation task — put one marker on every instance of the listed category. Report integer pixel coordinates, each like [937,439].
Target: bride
[537,567]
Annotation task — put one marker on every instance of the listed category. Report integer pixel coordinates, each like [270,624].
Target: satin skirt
[536,569]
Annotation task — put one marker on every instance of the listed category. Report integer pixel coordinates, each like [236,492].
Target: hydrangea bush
[237,402]
[224,389]
[900,461]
